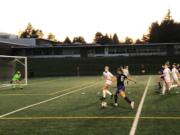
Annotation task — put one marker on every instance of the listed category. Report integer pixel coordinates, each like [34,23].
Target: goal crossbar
[6,56]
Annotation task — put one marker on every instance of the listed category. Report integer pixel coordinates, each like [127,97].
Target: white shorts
[108,82]
[167,79]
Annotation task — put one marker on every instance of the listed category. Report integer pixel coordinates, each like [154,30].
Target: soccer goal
[9,65]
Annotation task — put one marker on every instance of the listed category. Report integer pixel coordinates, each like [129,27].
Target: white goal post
[9,65]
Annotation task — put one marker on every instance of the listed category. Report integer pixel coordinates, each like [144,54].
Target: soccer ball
[104,104]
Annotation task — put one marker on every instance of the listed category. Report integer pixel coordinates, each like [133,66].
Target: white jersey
[126,72]
[108,77]
[166,74]
[175,73]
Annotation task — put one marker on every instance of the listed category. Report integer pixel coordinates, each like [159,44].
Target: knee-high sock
[115,98]
[164,88]
[159,83]
[108,92]
[127,100]
[173,86]
[104,93]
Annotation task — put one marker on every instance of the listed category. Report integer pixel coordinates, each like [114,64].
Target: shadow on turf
[166,96]
[111,104]
[12,89]
[123,108]
[82,107]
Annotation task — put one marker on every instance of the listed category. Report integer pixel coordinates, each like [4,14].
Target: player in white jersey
[108,77]
[175,76]
[126,72]
[167,79]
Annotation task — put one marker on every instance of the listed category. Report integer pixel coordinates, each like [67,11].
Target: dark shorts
[120,88]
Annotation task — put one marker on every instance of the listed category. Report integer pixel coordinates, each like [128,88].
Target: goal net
[9,65]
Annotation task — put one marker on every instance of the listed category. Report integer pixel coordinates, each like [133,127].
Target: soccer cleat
[115,104]
[132,104]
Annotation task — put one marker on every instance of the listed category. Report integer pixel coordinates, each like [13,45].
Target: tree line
[167,31]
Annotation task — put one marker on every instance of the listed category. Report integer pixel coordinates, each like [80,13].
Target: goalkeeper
[16,80]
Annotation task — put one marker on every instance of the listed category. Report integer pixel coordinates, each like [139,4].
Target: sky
[85,17]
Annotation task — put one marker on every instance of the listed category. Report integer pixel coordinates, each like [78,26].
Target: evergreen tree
[115,39]
[168,31]
[67,41]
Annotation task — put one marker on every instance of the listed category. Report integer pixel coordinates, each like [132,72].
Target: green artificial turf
[76,110]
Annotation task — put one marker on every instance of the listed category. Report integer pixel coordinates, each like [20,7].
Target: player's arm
[130,79]
[102,77]
[114,78]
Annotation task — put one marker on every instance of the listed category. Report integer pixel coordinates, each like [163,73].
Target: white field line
[45,101]
[138,113]
[35,83]
[7,85]
[88,117]
[10,85]
[46,80]
[23,95]
[53,93]
[67,117]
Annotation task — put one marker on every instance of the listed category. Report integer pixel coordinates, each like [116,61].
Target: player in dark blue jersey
[121,88]
[178,67]
[160,77]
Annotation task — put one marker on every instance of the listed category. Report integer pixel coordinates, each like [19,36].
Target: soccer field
[71,106]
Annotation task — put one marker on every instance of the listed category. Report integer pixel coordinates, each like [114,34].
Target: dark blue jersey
[161,71]
[120,79]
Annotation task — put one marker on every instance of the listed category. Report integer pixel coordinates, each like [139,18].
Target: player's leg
[108,84]
[19,84]
[164,88]
[14,82]
[104,91]
[123,94]
[109,93]
[116,98]
[167,84]
[167,87]
[176,83]
[159,82]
